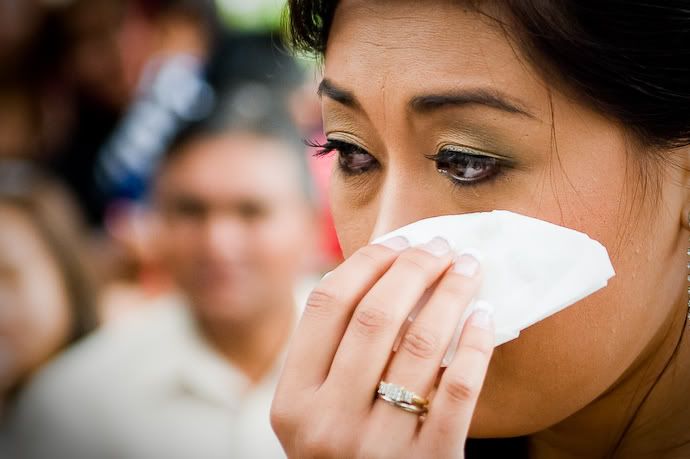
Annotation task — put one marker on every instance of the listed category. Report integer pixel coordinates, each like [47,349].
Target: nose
[223,235]
[402,201]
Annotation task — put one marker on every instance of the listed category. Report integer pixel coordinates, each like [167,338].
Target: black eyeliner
[451,156]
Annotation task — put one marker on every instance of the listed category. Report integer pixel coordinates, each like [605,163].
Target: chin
[222,307]
[503,417]
[497,425]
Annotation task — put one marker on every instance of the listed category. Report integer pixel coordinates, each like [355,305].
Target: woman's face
[34,311]
[406,80]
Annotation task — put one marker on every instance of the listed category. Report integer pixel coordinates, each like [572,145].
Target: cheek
[582,351]
[179,244]
[44,318]
[352,229]
[563,363]
[354,222]
[281,241]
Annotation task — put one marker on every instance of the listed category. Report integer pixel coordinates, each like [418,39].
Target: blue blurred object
[241,79]
[173,93]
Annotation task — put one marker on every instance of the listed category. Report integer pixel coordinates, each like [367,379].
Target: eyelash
[445,160]
[344,149]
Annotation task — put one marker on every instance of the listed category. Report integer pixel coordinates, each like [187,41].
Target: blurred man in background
[195,379]
[112,54]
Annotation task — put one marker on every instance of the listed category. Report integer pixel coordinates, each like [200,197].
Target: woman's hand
[325,405]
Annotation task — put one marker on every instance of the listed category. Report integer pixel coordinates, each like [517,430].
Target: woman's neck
[645,415]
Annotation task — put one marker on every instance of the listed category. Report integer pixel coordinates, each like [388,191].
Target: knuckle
[420,342]
[281,420]
[321,442]
[460,389]
[315,446]
[416,262]
[482,347]
[370,320]
[371,446]
[321,301]
[373,253]
[454,288]
[285,422]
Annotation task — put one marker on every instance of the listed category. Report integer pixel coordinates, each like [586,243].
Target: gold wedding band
[402,398]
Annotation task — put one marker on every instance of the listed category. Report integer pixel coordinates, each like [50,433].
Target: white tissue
[531,268]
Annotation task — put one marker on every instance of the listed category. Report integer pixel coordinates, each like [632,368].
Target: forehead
[231,165]
[409,47]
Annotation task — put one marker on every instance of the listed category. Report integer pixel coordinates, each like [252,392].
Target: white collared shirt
[149,388]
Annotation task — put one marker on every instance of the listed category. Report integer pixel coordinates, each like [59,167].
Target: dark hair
[52,212]
[628,59]
[256,109]
[253,78]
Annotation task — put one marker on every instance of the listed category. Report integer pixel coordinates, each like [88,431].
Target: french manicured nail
[483,316]
[467,265]
[396,243]
[437,246]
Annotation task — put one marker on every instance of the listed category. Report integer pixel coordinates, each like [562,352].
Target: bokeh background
[94,96]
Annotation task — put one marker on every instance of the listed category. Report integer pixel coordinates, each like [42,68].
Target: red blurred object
[321,171]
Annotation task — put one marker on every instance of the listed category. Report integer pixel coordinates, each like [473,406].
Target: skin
[594,380]
[34,322]
[235,230]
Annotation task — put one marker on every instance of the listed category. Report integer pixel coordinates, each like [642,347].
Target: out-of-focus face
[236,228]
[96,60]
[34,307]
[433,111]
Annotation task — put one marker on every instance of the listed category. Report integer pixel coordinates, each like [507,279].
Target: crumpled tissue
[531,268]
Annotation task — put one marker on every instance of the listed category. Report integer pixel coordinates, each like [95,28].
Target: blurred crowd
[161,221]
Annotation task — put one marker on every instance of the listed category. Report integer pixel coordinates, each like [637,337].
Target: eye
[250,210]
[186,208]
[352,160]
[466,167]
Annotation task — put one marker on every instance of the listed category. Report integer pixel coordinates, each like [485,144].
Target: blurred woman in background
[46,295]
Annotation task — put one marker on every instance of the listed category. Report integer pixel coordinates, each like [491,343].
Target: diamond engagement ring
[402,398]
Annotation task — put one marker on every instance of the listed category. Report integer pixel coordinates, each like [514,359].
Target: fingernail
[437,246]
[467,265]
[396,243]
[482,317]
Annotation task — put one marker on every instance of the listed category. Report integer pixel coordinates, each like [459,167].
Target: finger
[366,347]
[417,362]
[328,312]
[451,411]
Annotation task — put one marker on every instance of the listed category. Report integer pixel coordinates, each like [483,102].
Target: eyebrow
[491,98]
[329,89]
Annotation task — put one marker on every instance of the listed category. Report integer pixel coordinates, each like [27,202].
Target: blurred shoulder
[112,355]
[69,404]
